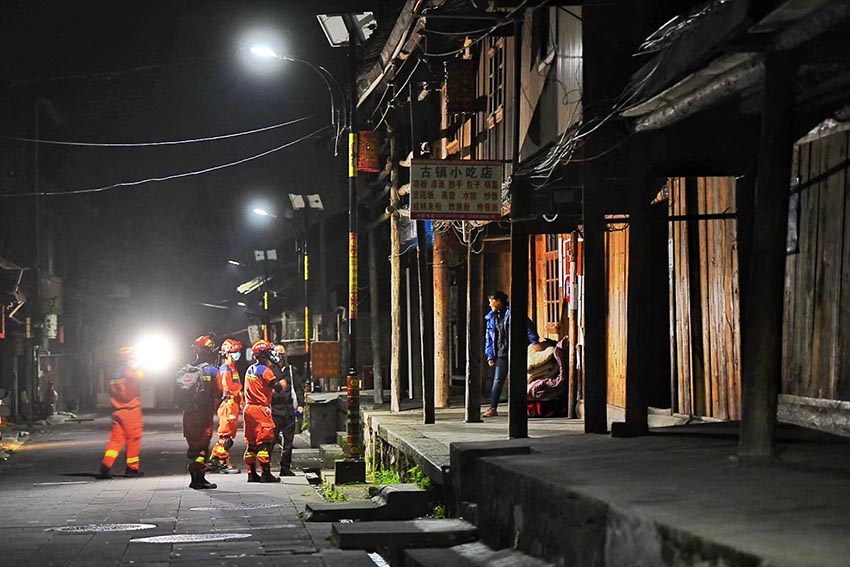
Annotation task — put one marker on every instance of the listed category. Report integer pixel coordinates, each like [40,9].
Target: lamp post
[306,202]
[348,29]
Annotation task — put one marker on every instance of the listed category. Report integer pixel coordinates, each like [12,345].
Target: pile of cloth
[546,375]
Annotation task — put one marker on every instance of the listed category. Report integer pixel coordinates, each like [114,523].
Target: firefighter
[198,421]
[126,417]
[229,408]
[286,408]
[260,384]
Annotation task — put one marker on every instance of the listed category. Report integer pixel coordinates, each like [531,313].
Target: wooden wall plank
[734,311]
[828,274]
[791,305]
[842,389]
[806,282]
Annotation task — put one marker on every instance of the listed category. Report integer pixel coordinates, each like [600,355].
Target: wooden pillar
[762,339]
[638,329]
[474,330]
[375,315]
[518,353]
[595,310]
[442,361]
[520,200]
[426,323]
[572,311]
[395,279]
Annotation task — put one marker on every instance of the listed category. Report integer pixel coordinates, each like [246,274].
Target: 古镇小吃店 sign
[455,190]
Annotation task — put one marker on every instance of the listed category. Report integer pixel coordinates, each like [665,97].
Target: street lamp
[348,29]
[263,213]
[306,202]
[267,52]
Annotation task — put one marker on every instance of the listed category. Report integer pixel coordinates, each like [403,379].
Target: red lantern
[367,158]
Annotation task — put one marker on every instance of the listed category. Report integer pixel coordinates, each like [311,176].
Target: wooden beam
[442,362]
[762,337]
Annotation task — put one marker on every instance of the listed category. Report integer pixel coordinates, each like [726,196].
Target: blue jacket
[490,332]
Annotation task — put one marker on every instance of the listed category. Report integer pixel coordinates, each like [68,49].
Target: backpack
[189,387]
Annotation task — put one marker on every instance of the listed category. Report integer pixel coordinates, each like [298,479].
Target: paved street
[49,484]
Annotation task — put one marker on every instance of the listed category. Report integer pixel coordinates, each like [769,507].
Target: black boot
[103,473]
[267,475]
[133,473]
[285,470]
[252,474]
[199,482]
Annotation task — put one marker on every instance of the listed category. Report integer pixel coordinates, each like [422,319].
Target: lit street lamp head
[263,213]
[265,51]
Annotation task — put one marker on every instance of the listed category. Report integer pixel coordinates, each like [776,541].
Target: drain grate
[234,507]
[99,528]
[189,538]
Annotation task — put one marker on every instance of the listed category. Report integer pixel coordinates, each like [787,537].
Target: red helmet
[202,343]
[230,346]
[261,347]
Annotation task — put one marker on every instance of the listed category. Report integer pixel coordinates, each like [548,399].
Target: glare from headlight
[155,352]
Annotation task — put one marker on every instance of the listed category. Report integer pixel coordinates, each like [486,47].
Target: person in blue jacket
[496,340]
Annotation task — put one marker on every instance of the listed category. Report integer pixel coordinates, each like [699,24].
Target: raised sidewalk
[675,497]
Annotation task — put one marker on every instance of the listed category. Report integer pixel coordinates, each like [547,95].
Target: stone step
[329,454]
[469,555]
[392,502]
[344,558]
[403,535]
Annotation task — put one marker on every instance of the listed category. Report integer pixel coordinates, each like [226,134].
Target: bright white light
[155,352]
[240,303]
[264,51]
[262,212]
[234,262]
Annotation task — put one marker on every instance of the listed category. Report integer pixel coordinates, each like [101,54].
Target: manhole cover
[97,528]
[189,538]
[234,507]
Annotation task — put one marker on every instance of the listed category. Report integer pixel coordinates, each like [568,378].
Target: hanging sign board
[455,190]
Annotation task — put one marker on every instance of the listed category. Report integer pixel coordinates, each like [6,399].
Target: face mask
[275,357]
[235,356]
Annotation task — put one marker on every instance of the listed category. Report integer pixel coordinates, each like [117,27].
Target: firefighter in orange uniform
[230,407]
[198,421]
[260,383]
[126,417]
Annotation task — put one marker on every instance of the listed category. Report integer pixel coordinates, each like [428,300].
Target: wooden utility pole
[442,359]
[375,312]
[395,278]
[761,356]
[474,328]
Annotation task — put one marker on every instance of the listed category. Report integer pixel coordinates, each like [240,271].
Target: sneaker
[133,473]
[228,470]
[491,412]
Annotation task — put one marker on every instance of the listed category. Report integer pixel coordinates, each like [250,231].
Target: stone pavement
[47,486]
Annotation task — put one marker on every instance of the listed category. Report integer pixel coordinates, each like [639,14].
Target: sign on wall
[455,190]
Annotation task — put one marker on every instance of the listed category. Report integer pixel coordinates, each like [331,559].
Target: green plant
[382,476]
[330,494]
[439,511]
[417,476]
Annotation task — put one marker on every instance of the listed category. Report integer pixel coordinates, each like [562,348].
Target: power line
[164,143]
[164,178]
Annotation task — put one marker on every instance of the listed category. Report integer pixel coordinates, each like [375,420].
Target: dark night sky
[141,72]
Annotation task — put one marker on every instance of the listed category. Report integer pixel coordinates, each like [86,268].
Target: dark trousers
[284,434]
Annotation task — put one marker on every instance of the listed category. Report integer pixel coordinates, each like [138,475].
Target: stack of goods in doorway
[547,385]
